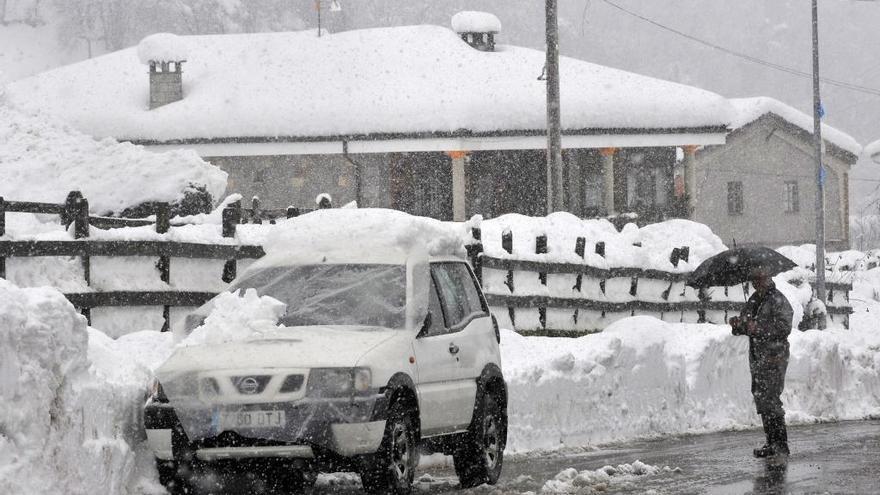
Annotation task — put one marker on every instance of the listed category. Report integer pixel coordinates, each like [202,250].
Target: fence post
[507,245]
[163,224]
[69,212]
[703,297]
[81,231]
[292,212]
[2,233]
[257,216]
[600,250]
[231,218]
[580,248]
[541,248]
[475,253]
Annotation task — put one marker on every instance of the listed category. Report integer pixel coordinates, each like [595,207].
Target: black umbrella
[736,266]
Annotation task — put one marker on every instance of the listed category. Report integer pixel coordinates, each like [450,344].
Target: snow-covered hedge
[43,160]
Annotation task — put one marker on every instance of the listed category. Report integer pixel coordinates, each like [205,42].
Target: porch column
[459,185]
[690,175]
[608,178]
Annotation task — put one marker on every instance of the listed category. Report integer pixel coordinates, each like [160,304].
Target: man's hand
[751,327]
[736,325]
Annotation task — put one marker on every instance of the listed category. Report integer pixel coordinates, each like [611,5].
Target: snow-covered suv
[378,356]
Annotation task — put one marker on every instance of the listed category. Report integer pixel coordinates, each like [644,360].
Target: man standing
[766,320]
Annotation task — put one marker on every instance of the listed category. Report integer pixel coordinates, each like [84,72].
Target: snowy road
[827,458]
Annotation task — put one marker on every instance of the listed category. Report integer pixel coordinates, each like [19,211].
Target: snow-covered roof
[404,80]
[748,110]
[43,160]
[873,149]
[470,21]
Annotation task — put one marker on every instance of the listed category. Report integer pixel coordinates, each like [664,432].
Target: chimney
[166,82]
[165,54]
[477,29]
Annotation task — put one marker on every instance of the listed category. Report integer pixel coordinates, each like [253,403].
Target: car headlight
[338,382]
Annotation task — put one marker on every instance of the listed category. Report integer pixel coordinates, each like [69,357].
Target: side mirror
[426,325]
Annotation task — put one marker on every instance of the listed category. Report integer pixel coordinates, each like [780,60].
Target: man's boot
[779,433]
[766,449]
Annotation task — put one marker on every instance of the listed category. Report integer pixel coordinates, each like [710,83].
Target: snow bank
[645,378]
[600,480]
[470,21]
[748,110]
[69,397]
[42,160]
[162,47]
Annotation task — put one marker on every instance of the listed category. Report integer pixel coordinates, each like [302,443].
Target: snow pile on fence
[69,397]
[43,160]
[645,378]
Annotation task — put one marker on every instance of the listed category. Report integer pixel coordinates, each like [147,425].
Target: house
[760,186]
[419,118]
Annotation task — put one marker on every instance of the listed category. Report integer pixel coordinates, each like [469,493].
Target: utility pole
[318,8]
[554,124]
[820,170]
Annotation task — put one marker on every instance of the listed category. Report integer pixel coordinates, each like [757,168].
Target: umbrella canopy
[736,266]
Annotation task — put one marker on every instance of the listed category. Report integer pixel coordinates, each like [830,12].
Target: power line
[782,68]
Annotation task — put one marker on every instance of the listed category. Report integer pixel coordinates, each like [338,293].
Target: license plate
[252,419]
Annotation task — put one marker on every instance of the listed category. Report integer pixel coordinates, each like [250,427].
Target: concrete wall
[763,156]
[295,180]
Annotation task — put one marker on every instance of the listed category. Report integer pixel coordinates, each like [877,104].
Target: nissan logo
[248,386]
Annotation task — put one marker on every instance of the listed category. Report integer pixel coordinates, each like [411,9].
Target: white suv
[352,382]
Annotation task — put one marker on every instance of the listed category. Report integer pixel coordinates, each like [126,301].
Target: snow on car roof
[748,110]
[371,81]
[363,235]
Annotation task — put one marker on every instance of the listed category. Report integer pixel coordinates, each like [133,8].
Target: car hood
[291,347]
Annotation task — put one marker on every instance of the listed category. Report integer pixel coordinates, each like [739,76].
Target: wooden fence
[75,211]
[509,299]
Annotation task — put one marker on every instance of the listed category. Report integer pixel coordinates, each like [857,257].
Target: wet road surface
[826,458]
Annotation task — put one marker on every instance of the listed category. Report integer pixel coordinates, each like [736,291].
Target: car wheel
[391,470]
[174,476]
[480,455]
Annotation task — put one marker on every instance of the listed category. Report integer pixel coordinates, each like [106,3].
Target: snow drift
[645,378]
[43,160]
[70,397]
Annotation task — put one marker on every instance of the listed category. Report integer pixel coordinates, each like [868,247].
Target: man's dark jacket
[768,348]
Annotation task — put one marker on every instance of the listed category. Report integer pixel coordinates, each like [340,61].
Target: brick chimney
[166,82]
[477,29]
[165,54]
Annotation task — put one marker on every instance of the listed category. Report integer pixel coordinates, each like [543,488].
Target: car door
[439,376]
[469,326]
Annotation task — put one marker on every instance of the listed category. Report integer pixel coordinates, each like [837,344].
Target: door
[442,400]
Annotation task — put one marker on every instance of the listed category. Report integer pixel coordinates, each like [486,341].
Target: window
[792,201]
[458,292]
[734,198]
[438,325]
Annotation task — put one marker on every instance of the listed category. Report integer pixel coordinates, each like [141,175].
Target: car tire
[391,469]
[480,455]
[174,476]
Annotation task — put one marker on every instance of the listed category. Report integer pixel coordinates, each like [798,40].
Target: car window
[458,293]
[438,323]
[370,295]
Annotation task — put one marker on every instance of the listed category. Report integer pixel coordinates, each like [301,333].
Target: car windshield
[369,295]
